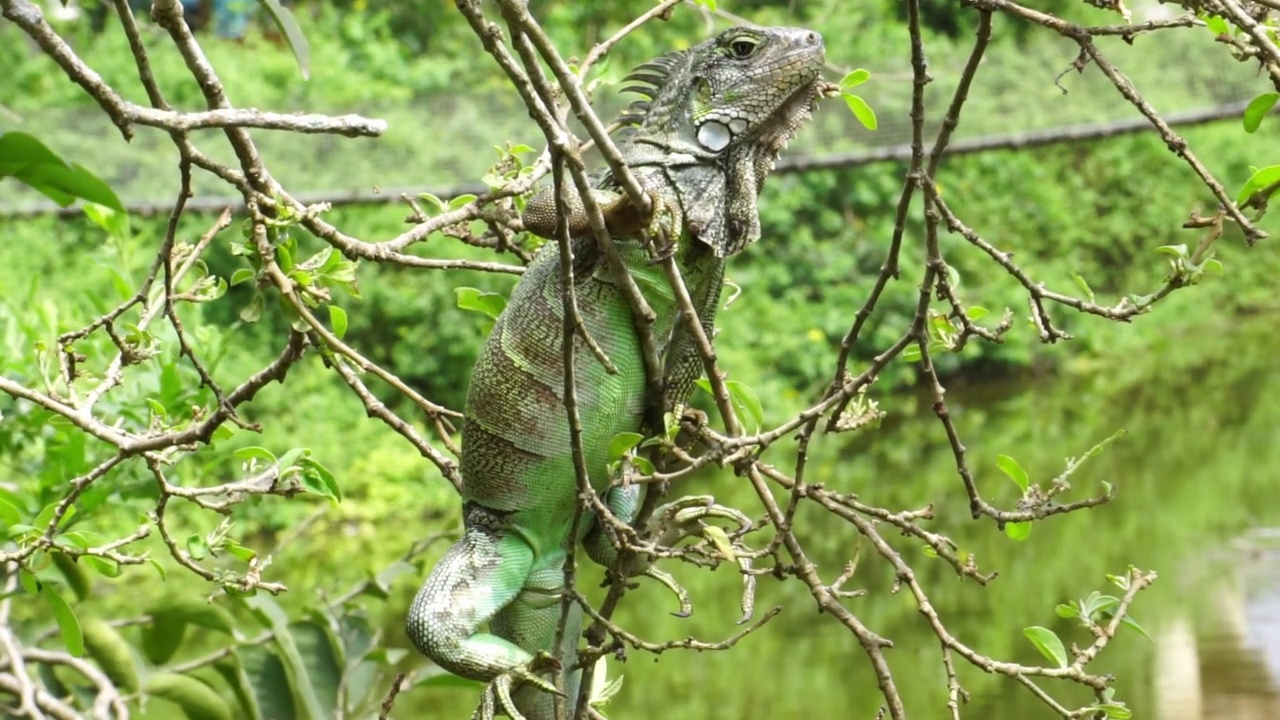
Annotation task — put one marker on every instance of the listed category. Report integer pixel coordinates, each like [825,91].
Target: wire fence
[443,144]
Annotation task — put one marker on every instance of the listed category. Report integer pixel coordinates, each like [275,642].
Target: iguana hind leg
[484,573]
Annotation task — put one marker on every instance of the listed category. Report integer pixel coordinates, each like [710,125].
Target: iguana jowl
[715,118]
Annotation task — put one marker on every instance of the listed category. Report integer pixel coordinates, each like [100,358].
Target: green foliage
[27,160]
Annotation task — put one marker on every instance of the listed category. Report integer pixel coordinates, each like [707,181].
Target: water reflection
[1230,668]
[1193,476]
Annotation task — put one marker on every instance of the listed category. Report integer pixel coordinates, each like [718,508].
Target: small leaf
[912,353]
[241,275]
[317,479]
[976,313]
[1117,711]
[929,551]
[292,33]
[68,625]
[115,222]
[461,200]
[1015,472]
[1048,643]
[746,404]
[112,653]
[197,547]
[486,303]
[1260,179]
[621,443]
[197,700]
[1213,265]
[440,206]
[27,160]
[1017,530]
[254,452]
[854,79]
[1084,286]
[9,515]
[862,111]
[1258,109]
[1179,251]
[268,682]
[1216,24]
[1066,611]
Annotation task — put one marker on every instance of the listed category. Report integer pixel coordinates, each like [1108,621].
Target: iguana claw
[498,694]
[683,518]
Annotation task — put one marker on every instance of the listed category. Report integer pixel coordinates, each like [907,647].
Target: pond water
[1198,501]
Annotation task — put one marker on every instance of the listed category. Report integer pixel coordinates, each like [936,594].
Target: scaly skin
[716,118]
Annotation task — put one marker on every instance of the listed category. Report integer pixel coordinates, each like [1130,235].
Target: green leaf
[112,653]
[912,353]
[854,79]
[252,312]
[338,320]
[29,161]
[233,674]
[485,303]
[103,566]
[1116,710]
[1128,620]
[239,551]
[1179,251]
[621,443]
[1066,611]
[1258,109]
[1047,642]
[197,547]
[114,222]
[320,652]
[1010,467]
[1216,24]
[461,200]
[1017,530]
[976,312]
[9,515]
[197,700]
[440,206]
[241,275]
[862,111]
[1260,179]
[708,4]
[68,625]
[162,636]
[269,612]
[388,575]
[1084,286]
[46,516]
[292,33]
[317,479]
[255,452]
[268,682]
[746,404]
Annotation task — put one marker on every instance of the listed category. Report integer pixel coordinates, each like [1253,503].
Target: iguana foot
[498,694]
[683,518]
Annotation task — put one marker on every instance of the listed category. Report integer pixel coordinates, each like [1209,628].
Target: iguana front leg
[621,217]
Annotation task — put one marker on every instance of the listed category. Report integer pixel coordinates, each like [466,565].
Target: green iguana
[713,121]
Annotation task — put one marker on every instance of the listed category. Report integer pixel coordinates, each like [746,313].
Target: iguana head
[717,116]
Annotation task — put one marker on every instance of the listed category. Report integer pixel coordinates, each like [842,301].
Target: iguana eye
[742,47]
